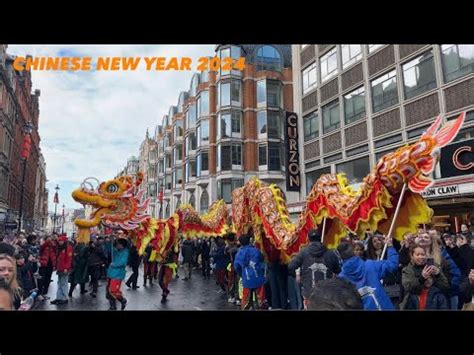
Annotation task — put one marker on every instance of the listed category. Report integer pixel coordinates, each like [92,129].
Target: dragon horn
[434,127]
[449,131]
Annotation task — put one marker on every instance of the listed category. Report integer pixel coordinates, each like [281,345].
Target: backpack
[253,273]
[315,272]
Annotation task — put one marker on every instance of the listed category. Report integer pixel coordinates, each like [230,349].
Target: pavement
[195,294]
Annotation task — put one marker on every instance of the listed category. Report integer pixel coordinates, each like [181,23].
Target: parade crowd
[429,270]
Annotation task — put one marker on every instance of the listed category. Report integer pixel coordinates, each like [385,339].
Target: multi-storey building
[356,103]
[228,127]
[18,107]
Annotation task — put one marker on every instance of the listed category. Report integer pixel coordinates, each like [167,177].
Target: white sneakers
[231,300]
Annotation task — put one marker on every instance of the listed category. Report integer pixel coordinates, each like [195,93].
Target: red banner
[25,150]
[56,198]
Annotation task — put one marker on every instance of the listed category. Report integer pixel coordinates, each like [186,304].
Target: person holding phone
[424,283]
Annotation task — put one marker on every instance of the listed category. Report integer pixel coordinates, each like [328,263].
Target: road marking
[197,308]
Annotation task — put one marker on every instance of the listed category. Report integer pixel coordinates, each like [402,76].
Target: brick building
[226,128]
[19,106]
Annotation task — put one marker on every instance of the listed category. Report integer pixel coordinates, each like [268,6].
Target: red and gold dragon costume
[118,204]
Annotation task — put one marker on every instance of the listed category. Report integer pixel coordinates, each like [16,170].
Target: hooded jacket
[366,276]
[250,266]
[118,265]
[316,263]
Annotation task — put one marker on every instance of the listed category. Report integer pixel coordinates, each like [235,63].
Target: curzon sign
[293,179]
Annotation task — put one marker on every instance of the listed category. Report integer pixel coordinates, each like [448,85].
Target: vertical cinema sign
[293,180]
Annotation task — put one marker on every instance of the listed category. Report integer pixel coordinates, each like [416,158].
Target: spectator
[96,258]
[25,272]
[206,258]
[63,266]
[79,274]
[316,264]
[424,283]
[187,250]
[116,273]
[8,272]
[367,275]
[250,266]
[47,258]
[221,262]
[233,279]
[134,262]
[6,299]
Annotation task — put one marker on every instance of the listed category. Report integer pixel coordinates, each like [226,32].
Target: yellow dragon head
[117,202]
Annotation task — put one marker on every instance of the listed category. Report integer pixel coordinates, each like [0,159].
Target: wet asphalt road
[195,294]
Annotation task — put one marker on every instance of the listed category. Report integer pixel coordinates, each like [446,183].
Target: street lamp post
[62,229]
[55,201]
[25,152]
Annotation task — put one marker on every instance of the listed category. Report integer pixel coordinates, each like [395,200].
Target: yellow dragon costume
[118,204]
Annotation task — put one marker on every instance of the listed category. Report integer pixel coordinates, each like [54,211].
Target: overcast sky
[91,122]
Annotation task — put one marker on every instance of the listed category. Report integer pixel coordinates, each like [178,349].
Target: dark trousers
[43,283]
[73,286]
[132,280]
[94,272]
[278,278]
[206,267]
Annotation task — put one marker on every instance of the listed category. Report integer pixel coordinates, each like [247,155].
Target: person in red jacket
[63,266]
[47,259]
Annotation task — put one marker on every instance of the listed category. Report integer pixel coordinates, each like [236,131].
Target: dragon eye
[112,188]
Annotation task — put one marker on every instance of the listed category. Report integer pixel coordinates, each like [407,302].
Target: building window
[262,154]
[311,126]
[268,93]
[191,142]
[313,176]
[384,91]
[374,47]
[233,52]
[223,157]
[419,75]
[329,65]
[190,170]
[331,119]
[236,154]
[194,85]
[458,60]
[273,94]
[191,117]
[178,152]
[204,202]
[202,163]
[178,177]
[269,124]
[351,53]
[229,125]
[204,103]
[229,93]
[268,58]
[270,155]
[355,170]
[168,181]
[274,156]
[204,76]
[192,200]
[171,113]
[178,129]
[226,186]
[309,78]
[203,132]
[354,105]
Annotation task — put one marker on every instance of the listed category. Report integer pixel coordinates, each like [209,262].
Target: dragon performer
[332,202]
[118,203]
